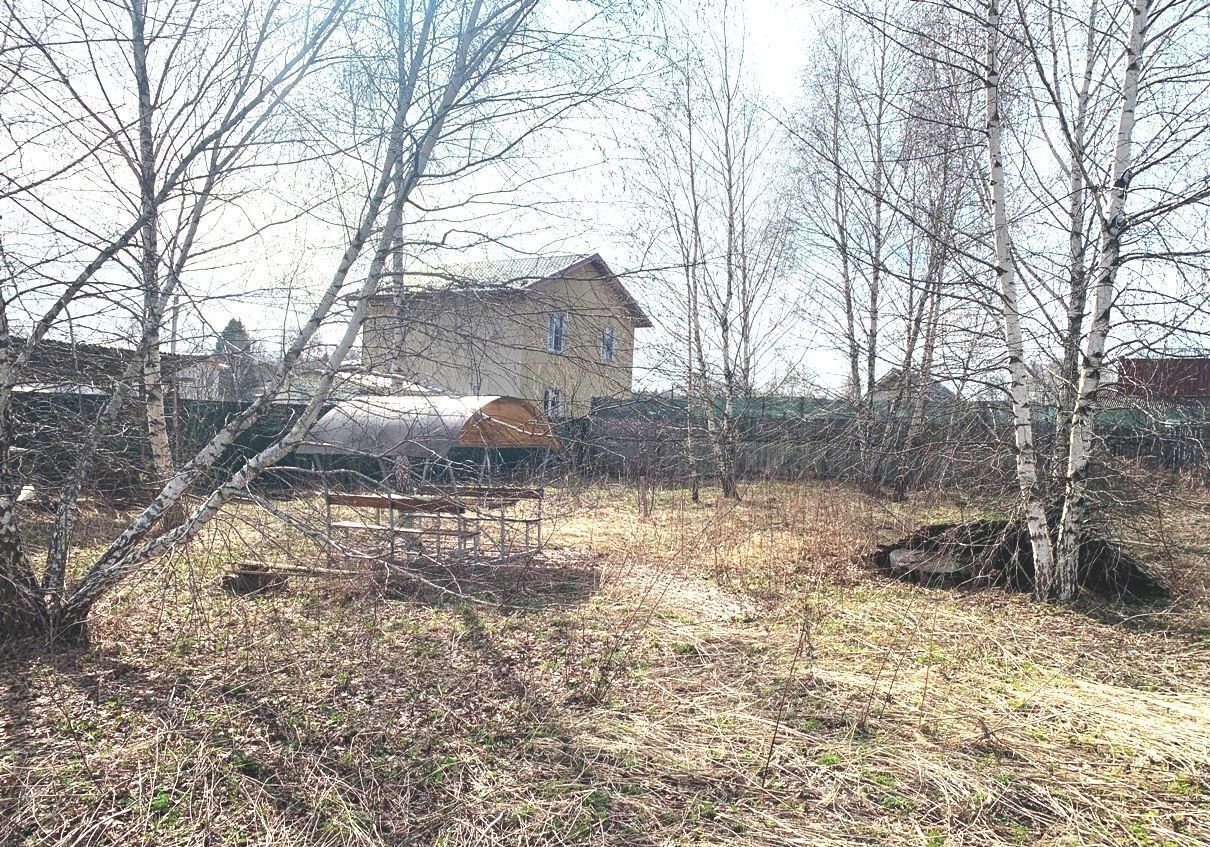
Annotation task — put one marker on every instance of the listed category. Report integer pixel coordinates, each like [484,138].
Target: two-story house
[558,330]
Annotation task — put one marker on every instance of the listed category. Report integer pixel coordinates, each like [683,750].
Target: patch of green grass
[164,807]
[598,801]
[898,803]
[247,765]
[425,647]
[1140,828]
[1186,785]
[82,727]
[735,824]
[161,801]
[437,773]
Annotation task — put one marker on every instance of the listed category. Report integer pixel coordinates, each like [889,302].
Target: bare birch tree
[1113,224]
[731,245]
[885,191]
[61,78]
[1088,83]
[1064,85]
[1032,494]
[454,69]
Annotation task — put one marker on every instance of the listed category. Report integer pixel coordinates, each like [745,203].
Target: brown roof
[892,380]
[522,274]
[1171,378]
[75,364]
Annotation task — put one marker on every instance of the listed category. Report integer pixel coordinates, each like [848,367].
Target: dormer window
[556,332]
[609,351]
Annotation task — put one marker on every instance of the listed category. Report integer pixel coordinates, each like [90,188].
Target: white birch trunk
[122,559]
[272,91]
[21,606]
[1076,257]
[153,378]
[57,548]
[1006,271]
[157,413]
[1113,224]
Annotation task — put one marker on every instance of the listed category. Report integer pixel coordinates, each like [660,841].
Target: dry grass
[711,674]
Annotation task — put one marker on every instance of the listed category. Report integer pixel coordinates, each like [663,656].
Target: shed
[427,426]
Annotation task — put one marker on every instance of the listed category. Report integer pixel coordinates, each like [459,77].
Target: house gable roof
[892,380]
[521,274]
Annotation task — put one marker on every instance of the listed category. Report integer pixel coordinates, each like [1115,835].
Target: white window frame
[554,404]
[556,332]
[609,344]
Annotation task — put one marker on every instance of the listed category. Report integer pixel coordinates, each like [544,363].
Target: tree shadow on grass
[21,745]
[532,585]
[607,806]
[378,729]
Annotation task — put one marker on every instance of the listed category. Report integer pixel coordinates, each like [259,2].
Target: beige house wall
[496,343]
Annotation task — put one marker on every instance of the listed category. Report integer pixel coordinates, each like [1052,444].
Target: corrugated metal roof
[516,275]
[93,366]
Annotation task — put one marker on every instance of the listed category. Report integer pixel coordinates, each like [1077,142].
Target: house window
[608,345]
[552,403]
[475,386]
[556,332]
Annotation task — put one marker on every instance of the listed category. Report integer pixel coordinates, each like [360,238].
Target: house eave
[639,319]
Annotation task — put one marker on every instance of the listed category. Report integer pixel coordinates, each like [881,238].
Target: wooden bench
[407,507]
[481,498]
[396,502]
[473,507]
[406,530]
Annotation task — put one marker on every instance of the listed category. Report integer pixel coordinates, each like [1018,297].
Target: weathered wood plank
[400,503]
[502,492]
[407,530]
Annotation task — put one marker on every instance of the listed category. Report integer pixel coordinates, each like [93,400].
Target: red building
[1171,379]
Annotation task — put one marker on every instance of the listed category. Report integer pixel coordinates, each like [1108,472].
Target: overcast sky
[588,209]
[581,186]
